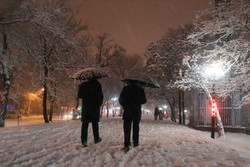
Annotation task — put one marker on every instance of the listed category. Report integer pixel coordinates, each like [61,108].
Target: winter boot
[125,149]
[84,144]
[98,141]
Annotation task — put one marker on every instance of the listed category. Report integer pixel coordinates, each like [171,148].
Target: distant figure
[131,98]
[160,115]
[156,114]
[92,97]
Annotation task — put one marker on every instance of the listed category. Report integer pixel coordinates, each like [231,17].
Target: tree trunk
[46,70]
[183,104]
[180,106]
[6,82]
[113,110]
[76,97]
[99,58]
[51,110]
[172,113]
[218,118]
[45,115]
[107,109]
[52,100]
[172,106]
[5,101]
[77,102]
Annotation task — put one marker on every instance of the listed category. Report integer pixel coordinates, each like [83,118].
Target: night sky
[134,24]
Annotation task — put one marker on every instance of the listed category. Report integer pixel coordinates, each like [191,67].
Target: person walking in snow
[156,113]
[91,94]
[131,98]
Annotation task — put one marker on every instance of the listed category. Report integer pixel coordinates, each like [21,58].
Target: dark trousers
[127,132]
[84,134]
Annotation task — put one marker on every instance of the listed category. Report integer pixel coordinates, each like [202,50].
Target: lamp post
[214,72]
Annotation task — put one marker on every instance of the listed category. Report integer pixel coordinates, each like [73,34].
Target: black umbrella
[144,80]
[90,73]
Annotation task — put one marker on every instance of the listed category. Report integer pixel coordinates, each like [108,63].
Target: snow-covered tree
[57,51]
[39,30]
[221,38]
[165,63]
[12,15]
[123,65]
[104,46]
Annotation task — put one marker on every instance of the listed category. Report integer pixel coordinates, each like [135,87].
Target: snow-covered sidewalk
[162,143]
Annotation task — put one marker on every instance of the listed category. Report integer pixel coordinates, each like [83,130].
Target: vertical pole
[213,117]
[233,116]
[241,108]
[205,109]
[198,106]
[212,126]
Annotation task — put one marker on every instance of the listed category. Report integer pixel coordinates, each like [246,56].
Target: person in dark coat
[131,98]
[156,113]
[91,94]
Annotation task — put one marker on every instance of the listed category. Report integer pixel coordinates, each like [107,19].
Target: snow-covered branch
[221,38]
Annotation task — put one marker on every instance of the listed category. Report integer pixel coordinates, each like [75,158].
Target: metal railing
[229,108]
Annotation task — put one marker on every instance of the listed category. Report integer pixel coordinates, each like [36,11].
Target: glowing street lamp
[214,72]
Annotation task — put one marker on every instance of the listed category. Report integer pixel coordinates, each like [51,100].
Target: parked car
[12,114]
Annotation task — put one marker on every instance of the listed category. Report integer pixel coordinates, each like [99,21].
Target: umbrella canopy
[90,73]
[144,80]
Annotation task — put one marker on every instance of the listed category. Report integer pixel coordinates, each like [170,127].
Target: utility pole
[213,113]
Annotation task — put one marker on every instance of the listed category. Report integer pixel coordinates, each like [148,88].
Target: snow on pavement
[162,143]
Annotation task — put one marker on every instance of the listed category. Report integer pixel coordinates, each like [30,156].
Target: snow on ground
[24,121]
[162,143]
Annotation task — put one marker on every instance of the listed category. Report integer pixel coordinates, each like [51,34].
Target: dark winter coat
[92,98]
[156,111]
[131,98]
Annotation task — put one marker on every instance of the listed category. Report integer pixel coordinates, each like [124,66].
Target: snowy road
[161,144]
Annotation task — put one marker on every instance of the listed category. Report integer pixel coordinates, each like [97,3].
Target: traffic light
[213,108]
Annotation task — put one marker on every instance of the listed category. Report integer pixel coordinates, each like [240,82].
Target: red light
[213,108]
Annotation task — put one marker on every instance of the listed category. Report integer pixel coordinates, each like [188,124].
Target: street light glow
[114,98]
[215,70]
